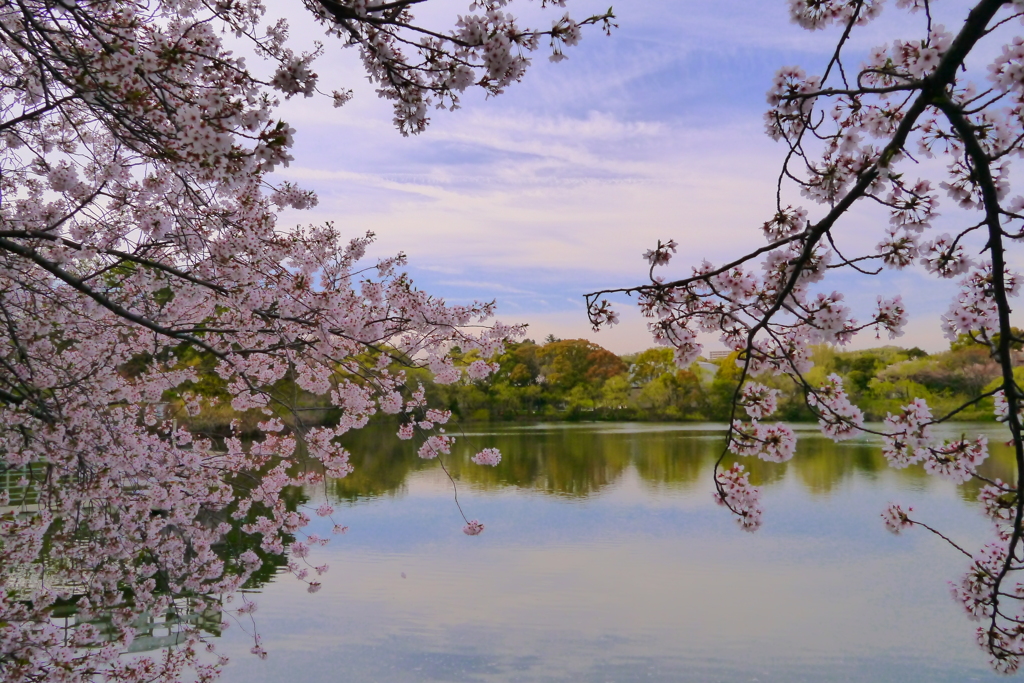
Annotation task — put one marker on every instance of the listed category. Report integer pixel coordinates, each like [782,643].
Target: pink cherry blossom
[140,235]
[838,417]
[896,519]
[758,400]
[488,456]
[853,135]
[735,492]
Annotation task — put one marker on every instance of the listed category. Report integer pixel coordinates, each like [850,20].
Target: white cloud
[476,284]
[558,187]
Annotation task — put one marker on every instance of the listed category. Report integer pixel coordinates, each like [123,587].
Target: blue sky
[557,187]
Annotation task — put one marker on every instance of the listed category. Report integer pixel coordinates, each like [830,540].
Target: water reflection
[166,617]
[583,460]
[606,559]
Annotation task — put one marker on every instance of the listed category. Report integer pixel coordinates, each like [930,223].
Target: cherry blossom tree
[138,225]
[936,116]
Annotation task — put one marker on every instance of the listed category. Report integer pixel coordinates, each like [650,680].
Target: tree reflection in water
[188,616]
[581,460]
[562,460]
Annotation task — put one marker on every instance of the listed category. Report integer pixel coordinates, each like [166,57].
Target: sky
[557,187]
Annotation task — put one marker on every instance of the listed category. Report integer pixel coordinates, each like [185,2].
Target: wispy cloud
[558,186]
[476,284]
[444,270]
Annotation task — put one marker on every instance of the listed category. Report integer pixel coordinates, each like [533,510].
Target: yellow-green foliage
[577,379]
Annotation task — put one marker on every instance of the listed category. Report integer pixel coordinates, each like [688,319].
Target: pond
[605,558]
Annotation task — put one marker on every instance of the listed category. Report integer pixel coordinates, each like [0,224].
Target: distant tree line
[576,379]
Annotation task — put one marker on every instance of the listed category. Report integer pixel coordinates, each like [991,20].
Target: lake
[605,558]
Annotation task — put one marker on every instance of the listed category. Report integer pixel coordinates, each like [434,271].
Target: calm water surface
[605,558]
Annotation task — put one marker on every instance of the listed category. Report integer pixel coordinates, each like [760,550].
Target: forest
[576,379]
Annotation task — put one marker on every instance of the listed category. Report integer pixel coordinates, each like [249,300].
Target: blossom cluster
[733,489]
[999,500]
[897,519]
[838,417]
[140,240]
[856,136]
[758,400]
[975,309]
[908,434]
[473,528]
[772,442]
[956,460]
[1002,407]
[418,68]
[488,456]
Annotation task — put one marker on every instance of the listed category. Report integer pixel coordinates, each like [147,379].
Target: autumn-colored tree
[571,362]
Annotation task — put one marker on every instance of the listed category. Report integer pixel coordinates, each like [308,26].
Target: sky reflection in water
[606,559]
